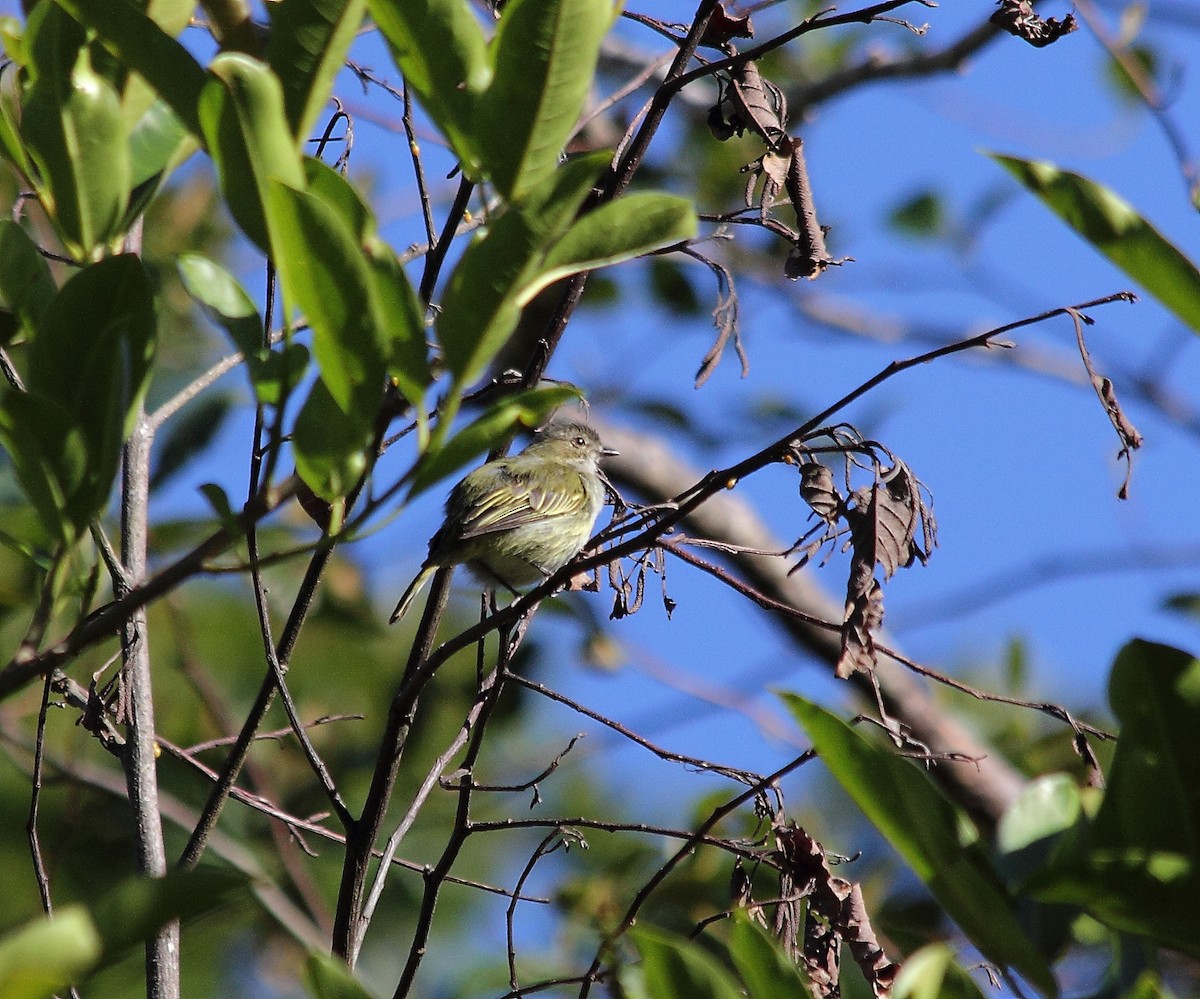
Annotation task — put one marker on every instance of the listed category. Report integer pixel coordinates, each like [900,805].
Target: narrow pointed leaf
[1113,226]
[73,131]
[328,977]
[307,48]
[618,231]
[934,838]
[440,48]
[762,964]
[545,54]
[329,444]
[242,115]
[140,44]
[325,273]
[482,301]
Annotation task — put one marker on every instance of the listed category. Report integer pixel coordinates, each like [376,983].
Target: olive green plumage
[516,520]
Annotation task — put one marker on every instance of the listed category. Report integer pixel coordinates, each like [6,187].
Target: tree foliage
[172,831]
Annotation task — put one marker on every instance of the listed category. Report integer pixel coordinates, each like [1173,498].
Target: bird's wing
[515,501]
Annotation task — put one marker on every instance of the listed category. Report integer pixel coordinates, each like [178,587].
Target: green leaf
[1136,868]
[328,978]
[307,47]
[481,306]
[931,973]
[73,132]
[47,955]
[273,373]
[325,271]
[87,373]
[158,143]
[440,49]
[1046,809]
[526,409]
[399,319]
[330,444]
[1113,226]
[762,964]
[934,838]
[242,115]
[618,231]
[545,54]
[673,967]
[25,280]
[148,904]
[139,43]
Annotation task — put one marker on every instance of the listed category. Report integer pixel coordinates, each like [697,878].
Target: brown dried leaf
[1018,18]
[750,102]
[863,617]
[819,492]
[721,28]
[808,258]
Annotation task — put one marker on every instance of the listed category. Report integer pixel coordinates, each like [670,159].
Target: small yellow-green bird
[517,520]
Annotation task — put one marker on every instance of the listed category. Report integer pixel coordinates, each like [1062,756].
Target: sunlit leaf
[618,231]
[1113,226]
[545,54]
[242,115]
[481,305]
[139,43]
[441,50]
[45,956]
[931,973]
[307,48]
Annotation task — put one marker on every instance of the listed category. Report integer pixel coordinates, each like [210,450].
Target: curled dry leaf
[722,28]
[1018,18]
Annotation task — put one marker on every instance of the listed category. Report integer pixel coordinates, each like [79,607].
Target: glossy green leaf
[242,115]
[325,272]
[329,978]
[142,45]
[481,305]
[1136,868]
[225,302]
[45,956]
[73,132]
[11,144]
[50,458]
[765,969]
[399,314]
[673,967]
[187,436]
[618,231]
[330,444]
[931,973]
[931,834]
[1113,226]
[172,16]
[545,54]
[158,143]
[441,50]
[307,47]
[527,409]
[1046,809]
[25,280]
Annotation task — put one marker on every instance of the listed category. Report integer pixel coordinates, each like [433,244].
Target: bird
[519,519]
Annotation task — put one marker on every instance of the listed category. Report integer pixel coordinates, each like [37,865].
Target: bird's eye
[579,442]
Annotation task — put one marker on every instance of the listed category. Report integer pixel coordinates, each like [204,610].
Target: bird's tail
[411,593]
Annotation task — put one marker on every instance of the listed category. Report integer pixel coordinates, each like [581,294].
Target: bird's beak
[608,452]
